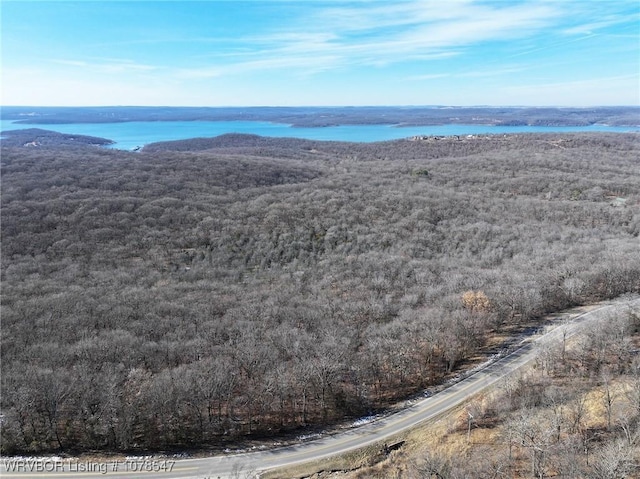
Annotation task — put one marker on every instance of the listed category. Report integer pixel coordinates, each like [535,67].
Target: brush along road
[251,464]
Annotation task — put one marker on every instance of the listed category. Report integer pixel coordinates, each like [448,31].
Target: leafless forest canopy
[36,137]
[197,293]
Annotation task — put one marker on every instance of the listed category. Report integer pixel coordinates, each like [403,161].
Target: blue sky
[290,53]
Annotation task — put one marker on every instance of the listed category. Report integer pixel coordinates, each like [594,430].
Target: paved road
[247,465]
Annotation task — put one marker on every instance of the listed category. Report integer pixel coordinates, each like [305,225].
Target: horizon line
[327,106]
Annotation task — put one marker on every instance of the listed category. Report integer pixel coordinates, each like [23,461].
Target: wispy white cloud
[352,51]
[380,34]
[490,72]
[551,46]
[107,65]
[71,63]
[589,28]
[607,15]
[362,34]
[494,72]
[374,16]
[432,76]
[476,24]
[298,64]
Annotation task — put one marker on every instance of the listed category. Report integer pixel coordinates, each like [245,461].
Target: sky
[320,53]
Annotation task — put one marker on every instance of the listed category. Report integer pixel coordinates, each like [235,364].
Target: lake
[130,135]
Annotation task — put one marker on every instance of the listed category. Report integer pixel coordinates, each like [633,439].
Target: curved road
[249,464]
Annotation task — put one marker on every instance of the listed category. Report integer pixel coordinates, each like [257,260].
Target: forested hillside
[38,138]
[575,414]
[326,116]
[198,293]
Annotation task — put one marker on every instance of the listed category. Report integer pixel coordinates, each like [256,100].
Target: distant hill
[229,140]
[332,116]
[38,138]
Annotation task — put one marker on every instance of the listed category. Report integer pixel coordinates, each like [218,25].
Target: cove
[131,135]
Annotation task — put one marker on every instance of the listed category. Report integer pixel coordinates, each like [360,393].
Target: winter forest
[198,293]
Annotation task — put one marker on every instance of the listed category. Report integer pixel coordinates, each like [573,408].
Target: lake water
[130,135]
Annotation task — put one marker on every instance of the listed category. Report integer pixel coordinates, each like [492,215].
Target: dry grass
[487,442]
[448,437]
